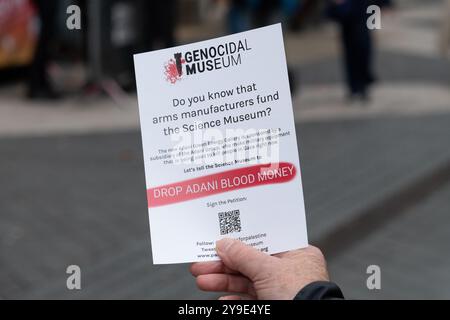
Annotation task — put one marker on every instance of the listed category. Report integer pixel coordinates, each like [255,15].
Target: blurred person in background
[246,14]
[351,15]
[39,84]
[159,23]
[445,31]
[238,16]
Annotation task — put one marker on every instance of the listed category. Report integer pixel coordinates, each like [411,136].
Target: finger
[238,256]
[200,268]
[236,297]
[224,283]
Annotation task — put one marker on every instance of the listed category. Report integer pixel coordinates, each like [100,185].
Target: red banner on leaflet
[225,181]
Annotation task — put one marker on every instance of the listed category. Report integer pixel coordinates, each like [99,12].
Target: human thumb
[242,258]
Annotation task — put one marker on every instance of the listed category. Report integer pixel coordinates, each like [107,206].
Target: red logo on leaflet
[173,69]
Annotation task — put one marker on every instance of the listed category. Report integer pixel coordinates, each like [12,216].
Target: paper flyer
[220,149]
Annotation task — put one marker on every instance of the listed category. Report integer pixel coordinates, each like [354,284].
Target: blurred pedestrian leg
[246,14]
[39,85]
[357,46]
[238,16]
[445,31]
[159,23]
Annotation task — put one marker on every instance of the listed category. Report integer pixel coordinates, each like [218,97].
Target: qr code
[230,221]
